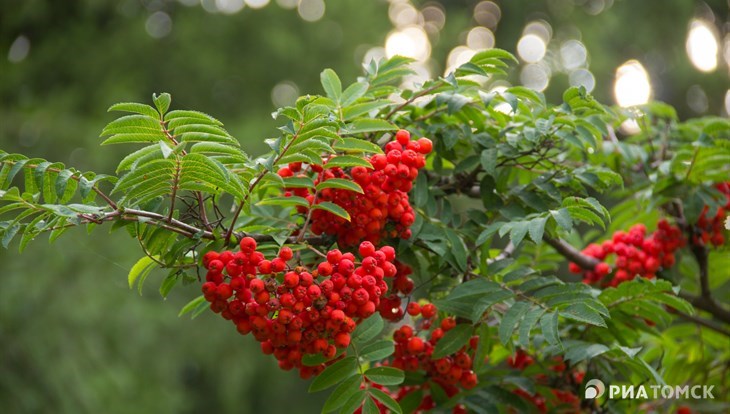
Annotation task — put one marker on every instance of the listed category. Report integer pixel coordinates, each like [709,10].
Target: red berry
[403,136]
[425,145]
[247,244]
[286,253]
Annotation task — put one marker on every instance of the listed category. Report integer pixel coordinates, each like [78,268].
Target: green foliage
[510,179]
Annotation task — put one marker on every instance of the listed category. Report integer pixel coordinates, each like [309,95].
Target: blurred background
[74,338]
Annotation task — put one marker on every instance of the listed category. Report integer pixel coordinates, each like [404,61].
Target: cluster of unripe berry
[561,399]
[413,352]
[293,311]
[383,210]
[709,229]
[636,254]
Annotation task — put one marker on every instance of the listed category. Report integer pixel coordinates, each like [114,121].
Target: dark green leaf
[377,350]
[368,329]
[341,184]
[453,340]
[334,374]
[385,375]
[387,400]
[342,393]
[332,208]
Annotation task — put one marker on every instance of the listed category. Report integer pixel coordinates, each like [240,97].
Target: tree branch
[571,253]
[703,322]
[707,304]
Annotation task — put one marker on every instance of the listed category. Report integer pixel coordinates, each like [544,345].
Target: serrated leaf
[528,322]
[385,375]
[342,393]
[298,182]
[369,406]
[141,268]
[453,340]
[353,93]
[354,402]
[331,84]
[136,108]
[200,116]
[510,319]
[563,218]
[62,182]
[284,201]
[340,183]
[583,313]
[386,400]
[377,350]
[368,329]
[334,374]
[364,125]
[489,160]
[357,145]
[344,161]
[549,327]
[537,228]
[332,208]
[190,306]
[162,101]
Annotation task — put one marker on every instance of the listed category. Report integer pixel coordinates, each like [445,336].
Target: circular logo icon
[594,389]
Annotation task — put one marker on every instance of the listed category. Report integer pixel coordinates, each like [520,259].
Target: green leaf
[354,402]
[334,374]
[198,116]
[489,160]
[356,145]
[142,267]
[298,182]
[583,313]
[341,184]
[387,400]
[133,138]
[549,327]
[385,375]
[364,125]
[344,161]
[342,393]
[528,322]
[332,208]
[354,111]
[10,232]
[284,201]
[331,84]
[62,182]
[195,307]
[511,318]
[136,108]
[453,340]
[162,102]
[537,228]
[377,350]
[370,407]
[353,93]
[368,329]
[563,218]
[518,231]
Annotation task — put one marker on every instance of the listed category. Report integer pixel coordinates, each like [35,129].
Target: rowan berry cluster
[564,399]
[413,352]
[636,254]
[383,210]
[709,229]
[293,311]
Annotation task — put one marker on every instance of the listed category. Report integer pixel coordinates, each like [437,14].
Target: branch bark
[571,253]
